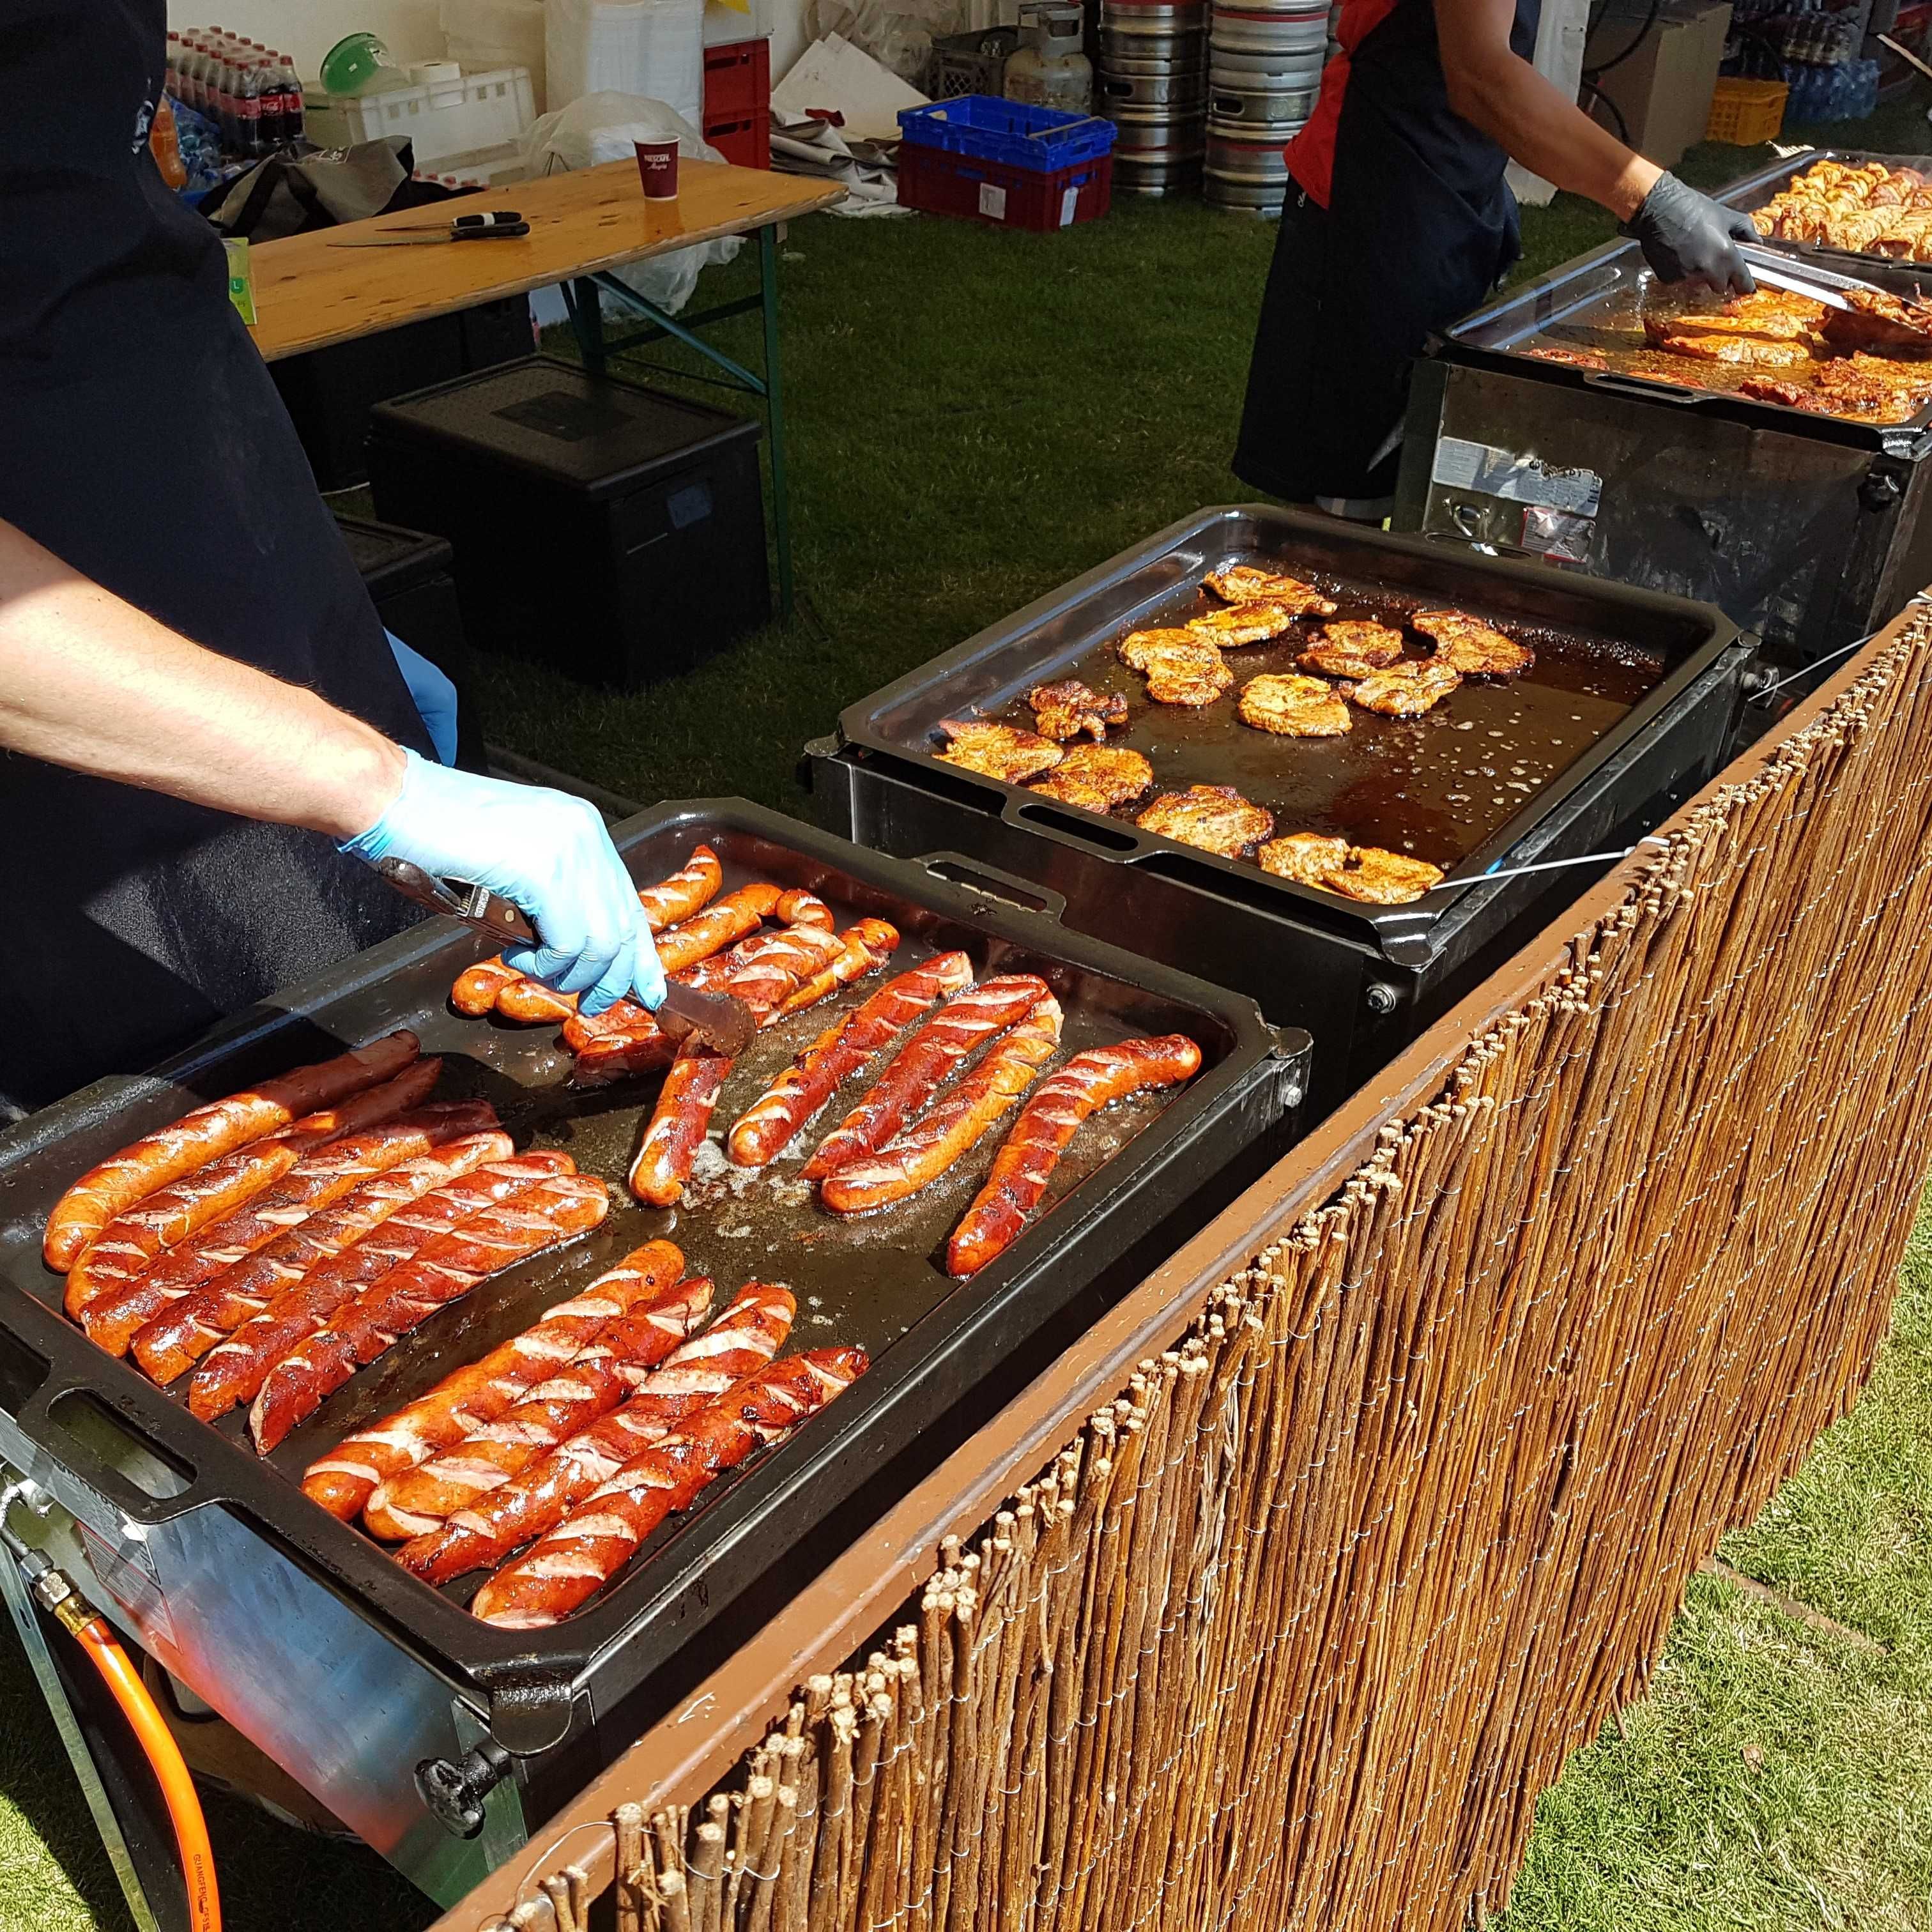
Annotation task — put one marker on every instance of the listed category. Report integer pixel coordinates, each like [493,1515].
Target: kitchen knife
[717,1019]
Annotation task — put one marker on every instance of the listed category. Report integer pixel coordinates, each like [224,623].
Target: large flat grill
[1630,697]
[350,1671]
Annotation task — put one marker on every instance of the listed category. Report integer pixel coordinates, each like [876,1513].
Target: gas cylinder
[1049,67]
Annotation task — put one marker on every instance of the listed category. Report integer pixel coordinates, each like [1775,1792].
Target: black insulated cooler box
[613,532]
[1628,711]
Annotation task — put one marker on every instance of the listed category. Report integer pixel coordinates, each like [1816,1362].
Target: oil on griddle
[865,1282]
[1435,787]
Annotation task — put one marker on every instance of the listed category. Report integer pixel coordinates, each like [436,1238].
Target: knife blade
[716,1018]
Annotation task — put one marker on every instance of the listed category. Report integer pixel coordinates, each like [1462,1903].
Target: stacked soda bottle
[250,91]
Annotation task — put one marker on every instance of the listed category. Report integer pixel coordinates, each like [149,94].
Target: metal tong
[716,1018]
[1802,278]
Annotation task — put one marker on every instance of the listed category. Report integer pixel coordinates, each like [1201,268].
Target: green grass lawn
[977,417]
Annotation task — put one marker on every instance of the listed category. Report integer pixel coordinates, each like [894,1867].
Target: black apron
[143,443]
[1419,226]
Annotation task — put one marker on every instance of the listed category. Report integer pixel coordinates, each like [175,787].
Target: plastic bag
[604,128]
[649,48]
[898,36]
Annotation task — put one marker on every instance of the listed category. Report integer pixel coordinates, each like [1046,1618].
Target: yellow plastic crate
[1747,111]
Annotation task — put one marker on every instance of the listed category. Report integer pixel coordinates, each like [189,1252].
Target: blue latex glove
[547,852]
[434,695]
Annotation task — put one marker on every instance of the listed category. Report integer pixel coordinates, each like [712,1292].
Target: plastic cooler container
[481,35]
[471,115]
[1005,163]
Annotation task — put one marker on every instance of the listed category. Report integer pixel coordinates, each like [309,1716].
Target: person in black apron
[1399,220]
[152,491]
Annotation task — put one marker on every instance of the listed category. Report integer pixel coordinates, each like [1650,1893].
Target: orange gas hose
[157,1741]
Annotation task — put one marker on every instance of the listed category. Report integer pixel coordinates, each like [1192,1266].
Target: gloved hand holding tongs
[1686,236]
[546,853]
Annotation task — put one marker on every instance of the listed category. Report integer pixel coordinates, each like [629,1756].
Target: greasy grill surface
[879,1282]
[1438,786]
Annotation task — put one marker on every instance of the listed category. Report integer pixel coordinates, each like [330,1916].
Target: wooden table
[312,290]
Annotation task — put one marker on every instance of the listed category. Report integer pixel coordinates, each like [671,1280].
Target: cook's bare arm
[88,682]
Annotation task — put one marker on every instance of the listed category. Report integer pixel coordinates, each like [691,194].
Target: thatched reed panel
[1296,1629]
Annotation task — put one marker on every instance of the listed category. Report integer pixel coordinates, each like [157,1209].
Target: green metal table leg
[586,319]
[768,286]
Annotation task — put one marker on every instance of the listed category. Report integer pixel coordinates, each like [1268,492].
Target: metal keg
[1170,35]
[1260,29]
[1171,88]
[1177,172]
[1157,149]
[1244,167]
[1270,90]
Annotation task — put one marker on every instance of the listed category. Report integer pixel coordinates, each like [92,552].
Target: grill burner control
[454,1793]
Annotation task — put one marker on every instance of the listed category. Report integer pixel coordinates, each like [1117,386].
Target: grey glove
[1686,236]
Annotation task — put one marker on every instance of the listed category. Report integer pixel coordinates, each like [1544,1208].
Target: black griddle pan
[1137,1181]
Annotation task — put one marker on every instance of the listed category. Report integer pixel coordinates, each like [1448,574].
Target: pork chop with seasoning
[1242,624]
[1405,690]
[1216,818]
[1096,777]
[1470,647]
[1071,709]
[1309,858]
[1352,648]
[1293,706]
[1180,669]
[1379,878]
[1001,751]
[1243,584]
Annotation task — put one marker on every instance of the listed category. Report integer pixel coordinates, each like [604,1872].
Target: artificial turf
[977,416]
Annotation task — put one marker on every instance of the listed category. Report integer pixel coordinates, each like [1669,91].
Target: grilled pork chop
[1377,878]
[1067,710]
[1243,584]
[1242,624]
[1405,690]
[1179,668]
[1216,818]
[1293,706]
[1309,858]
[998,750]
[1880,321]
[1352,648]
[1096,777]
[1364,872]
[1470,647]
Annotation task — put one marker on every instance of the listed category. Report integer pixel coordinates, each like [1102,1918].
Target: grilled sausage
[602,1534]
[379,1134]
[926,1150]
[957,1031]
[765,1128]
[800,907]
[234,1369]
[491,983]
[744,1338]
[766,970]
[678,1123]
[207,1134]
[863,947]
[591,1384]
[443,1270]
[1047,1123]
[476,987]
[354,1473]
[131,1241]
[174,1340]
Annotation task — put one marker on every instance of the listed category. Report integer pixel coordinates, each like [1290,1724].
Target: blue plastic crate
[989,129]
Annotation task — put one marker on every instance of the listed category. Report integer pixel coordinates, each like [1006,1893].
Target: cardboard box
[1663,88]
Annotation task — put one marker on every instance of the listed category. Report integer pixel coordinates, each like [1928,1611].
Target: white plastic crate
[480,113]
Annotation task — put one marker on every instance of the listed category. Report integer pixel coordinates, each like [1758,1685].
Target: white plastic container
[485,35]
[651,48]
[723,25]
[482,113]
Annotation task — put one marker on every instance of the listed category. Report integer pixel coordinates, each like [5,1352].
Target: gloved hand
[544,850]
[432,694]
[1686,236]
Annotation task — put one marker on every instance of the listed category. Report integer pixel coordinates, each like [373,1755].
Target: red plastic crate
[745,143]
[737,81]
[1002,196]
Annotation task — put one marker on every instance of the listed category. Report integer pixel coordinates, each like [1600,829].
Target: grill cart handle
[1009,888]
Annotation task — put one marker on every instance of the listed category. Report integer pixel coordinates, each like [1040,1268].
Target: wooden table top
[310,292]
